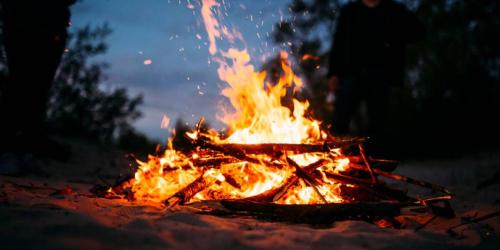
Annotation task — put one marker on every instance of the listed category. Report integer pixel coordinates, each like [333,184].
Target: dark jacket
[373,40]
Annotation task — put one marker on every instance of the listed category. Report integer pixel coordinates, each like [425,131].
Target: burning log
[234,152]
[310,180]
[276,194]
[185,194]
[231,181]
[357,180]
[384,165]
[213,162]
[272,148]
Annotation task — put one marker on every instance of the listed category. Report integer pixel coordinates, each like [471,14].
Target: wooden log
[382,164]
[213,162]
[476,220]
[235,152]
[276,194]
[310,180]
[272,148]
[379,189]
[406,179]
[351,193]
[345,179]
[185,194]
[231,181]
[317,213]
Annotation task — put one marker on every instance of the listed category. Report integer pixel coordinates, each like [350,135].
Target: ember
[273,155]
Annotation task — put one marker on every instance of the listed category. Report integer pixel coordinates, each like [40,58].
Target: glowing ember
[165,122]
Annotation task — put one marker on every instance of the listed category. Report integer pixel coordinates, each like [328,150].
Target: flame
[211,23]
[258,116]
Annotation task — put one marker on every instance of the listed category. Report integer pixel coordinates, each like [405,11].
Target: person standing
[367,59]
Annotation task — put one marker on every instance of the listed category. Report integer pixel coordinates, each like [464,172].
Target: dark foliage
[80,104]
[452,88]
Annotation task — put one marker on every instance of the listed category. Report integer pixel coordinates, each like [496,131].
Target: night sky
[179,81]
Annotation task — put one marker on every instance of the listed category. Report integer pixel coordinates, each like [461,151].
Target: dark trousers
[32,60]
[369,86]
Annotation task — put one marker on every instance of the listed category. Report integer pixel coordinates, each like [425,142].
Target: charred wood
[315,214]
[185,194]
[402,178]
[272,148]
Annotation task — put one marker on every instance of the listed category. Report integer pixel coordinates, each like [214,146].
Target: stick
[345,179]
[310,180]
[235,152]
[213,162]
[277,193]
[382,164]
[185,194]
[368,166]
[377,189]
[402,178]
[272,148]
[316,214]
[476,220]
[231,181]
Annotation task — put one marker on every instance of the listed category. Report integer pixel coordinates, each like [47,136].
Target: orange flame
[258,117]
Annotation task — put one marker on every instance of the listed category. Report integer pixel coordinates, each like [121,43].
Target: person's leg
[346,103]
[377,103]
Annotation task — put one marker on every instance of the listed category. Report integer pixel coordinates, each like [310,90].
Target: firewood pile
[363,185]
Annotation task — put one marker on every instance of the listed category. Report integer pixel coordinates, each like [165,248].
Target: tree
[453,79]
[456,85]
[79,103]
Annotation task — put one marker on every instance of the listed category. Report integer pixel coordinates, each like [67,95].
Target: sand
[59,212]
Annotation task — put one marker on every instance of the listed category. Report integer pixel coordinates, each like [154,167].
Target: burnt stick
[277,193]
[367,164]
[310,180]
[236,153]
[272,148]
[402,178]
[185,194]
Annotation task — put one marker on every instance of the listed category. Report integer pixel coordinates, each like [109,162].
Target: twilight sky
[179,81]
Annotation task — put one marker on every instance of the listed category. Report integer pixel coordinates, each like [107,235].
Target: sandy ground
[36,214]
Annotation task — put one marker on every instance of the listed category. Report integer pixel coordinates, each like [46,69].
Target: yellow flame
[258,116]
[211,24]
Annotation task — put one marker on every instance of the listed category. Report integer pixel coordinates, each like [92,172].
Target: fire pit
[275,161]
[312,183]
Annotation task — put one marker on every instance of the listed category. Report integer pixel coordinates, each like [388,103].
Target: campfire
[274,160]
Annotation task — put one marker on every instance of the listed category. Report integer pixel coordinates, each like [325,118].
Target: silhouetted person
[367,59]
[34,33]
